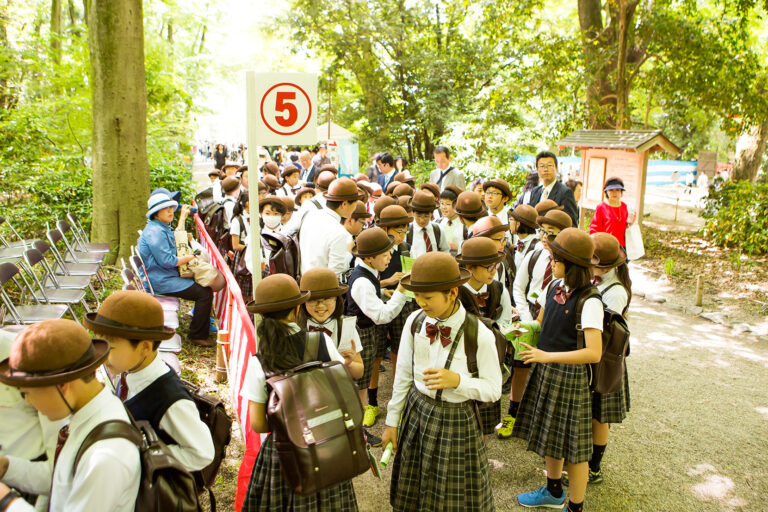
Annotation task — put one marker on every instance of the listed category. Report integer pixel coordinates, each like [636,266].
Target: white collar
[454,321]
[482,289]
[138,381]
[332,213]
[367,267]
[89,410]
[549,187]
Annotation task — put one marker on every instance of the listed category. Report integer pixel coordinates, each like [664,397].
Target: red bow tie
[445,334]
[520,246]
[561,295]
[482,299]
[314,328]
[597,280]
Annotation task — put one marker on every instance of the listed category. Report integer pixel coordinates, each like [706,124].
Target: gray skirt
[441,462]
[555,414]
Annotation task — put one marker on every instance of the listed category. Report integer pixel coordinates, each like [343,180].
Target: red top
[609,219]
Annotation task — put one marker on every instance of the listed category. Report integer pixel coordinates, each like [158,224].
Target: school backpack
[284,257]
[470,343]
[214,415]
[316,417]
[436,231]
[204,201]
[217,226]
[165,483]
[607,375]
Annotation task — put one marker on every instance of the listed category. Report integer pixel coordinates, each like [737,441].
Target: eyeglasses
[491,267]
[545,167]
[547,233]
[327,301]
[492,193]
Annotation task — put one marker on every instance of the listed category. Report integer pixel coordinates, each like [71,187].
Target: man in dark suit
[373,171]
[552,188]
[388,170]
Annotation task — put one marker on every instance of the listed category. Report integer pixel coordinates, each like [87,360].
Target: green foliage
[737,216]
[669,267]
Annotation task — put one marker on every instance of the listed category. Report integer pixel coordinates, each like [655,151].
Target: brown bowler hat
[543,207]
[271,181]
[263,186]
[526,215]
[402,189]
[362,177]
[394,215]
[302,191]
[324,180]
[372,242]
[214,172]
[487,226]
[405,202]
[608,250]
[271,168]
[556,218]
[453,188]
[364,192]
[435,272]
[432,187]
[289,169]
[382,203]
[321,283]
[470,205]
[330,168]
[275,201]
[229,184]
[576,246]
[276,293]
[423,202]
[405,177]
[289,203]
[479,251]
[342,189]
[391,188]
[129,314]
[360,211]
[52,352]
[499,184]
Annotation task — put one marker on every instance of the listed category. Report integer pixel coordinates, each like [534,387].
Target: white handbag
[634,239]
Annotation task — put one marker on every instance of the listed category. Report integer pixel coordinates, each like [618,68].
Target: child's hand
[533,355]
[349,357]
[390,436]
[440,378]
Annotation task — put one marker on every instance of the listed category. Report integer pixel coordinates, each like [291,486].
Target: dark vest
[558,327]
[353,309]
[299,341]
[395,265]
[153,402]
[492,307]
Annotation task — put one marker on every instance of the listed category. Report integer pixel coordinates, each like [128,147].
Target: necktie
[442,175]
[544,194]
[561,295]
[597,280]
[547,276]
[445,334]
[122,388]
[482,299]
[63,435]
[427,241]
[314,328]
[520,246]
[450,222]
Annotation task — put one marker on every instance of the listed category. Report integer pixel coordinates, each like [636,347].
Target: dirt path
[694,440]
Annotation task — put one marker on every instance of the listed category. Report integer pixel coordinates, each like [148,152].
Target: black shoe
[594,478]
[381,368]
[371,439]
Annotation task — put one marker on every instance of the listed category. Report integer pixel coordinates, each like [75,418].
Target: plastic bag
[634,239]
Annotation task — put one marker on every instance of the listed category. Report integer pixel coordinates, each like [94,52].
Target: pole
[221,354]
[252,105]
[699,290]
[677,202]
[329,115]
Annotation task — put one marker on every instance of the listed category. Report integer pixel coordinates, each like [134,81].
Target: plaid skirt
[395,327]
[612,408]
[268,490]
[370,338]
[490,416]
[245,282]
[441,462]
[555,412]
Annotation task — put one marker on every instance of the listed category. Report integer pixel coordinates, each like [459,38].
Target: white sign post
[281,110]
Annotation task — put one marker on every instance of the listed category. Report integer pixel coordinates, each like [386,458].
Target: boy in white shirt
[423,234]
[450,221]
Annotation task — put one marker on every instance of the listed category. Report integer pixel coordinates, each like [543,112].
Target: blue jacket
[157,248]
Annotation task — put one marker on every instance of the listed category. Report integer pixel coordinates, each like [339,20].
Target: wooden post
[677,201]
[699,290]
[222,339]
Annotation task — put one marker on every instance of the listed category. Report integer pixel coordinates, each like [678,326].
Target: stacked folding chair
[19,315]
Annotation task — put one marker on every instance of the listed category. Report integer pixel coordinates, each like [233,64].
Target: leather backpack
[316,417]
[284,255]
[166,485]
[607,375]
[214,415]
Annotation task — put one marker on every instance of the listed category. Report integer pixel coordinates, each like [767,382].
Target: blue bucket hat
[176,196]
[159,200]
[613,184]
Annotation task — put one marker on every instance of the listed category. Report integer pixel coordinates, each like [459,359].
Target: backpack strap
[409,236]
[463,230]
[534,259]
[416,327]
[592,291]
[495,290]
[438,233]
[470,344]
[111,429]
[312,346]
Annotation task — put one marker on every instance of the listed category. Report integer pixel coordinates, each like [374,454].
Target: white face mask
[271,221]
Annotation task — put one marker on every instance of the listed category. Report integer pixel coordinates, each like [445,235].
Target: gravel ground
[694,439]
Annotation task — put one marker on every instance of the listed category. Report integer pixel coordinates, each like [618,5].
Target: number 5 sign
[282,108]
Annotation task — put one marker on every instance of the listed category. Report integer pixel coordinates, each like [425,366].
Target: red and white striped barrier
[230,311]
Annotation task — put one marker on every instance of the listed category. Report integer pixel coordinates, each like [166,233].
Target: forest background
[491,79]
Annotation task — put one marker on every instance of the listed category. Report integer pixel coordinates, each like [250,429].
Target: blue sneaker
[212,329]
[540,498]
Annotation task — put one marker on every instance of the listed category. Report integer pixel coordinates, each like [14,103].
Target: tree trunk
[85,11]
[749,152]
[5,99]
[56,30]
[118,122]
[202,39]
[622,87]
[170,31]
